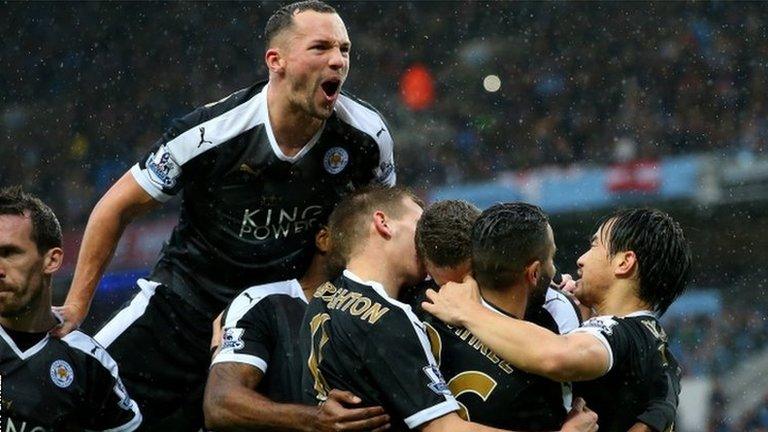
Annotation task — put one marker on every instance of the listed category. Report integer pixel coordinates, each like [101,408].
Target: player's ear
[624,264]
[532,272]
[52,260]
[274,60]
[323,240]
[381,224]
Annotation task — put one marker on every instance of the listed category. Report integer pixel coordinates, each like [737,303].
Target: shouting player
[259,171]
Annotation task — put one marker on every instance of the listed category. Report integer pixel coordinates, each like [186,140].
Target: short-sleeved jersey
[260,328]
[63,384]
[490,390]
[641,367]
[356,338]
[249,212]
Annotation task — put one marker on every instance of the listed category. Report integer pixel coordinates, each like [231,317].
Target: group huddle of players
[365,331]
[347,305]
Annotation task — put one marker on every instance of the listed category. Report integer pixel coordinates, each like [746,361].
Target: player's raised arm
[122,203]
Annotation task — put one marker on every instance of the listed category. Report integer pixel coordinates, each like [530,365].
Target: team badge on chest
[335,160]
[62,374]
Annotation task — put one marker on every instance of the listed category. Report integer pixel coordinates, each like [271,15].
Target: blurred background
[578,107]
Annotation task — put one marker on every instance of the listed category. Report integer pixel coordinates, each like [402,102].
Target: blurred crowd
[88,87]
[712,345]
[754,420]
[715,345]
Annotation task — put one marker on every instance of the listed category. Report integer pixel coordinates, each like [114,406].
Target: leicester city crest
[335,160]
[62,374]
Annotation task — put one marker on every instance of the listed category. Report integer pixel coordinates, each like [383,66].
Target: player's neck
[621,300]
[310,282]
[37,318]
[371,269]
[291,126]
[511,300]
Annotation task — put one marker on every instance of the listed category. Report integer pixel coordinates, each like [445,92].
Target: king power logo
[262,224]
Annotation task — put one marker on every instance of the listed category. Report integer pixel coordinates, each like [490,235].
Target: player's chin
[323,111]
[11,307]
[578,288]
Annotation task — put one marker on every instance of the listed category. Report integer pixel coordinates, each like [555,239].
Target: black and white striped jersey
[642,383]
[260,328]
[355,337]
[62,385]
[249,212]
[490,390]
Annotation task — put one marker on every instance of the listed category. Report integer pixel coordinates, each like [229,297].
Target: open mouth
[331,87]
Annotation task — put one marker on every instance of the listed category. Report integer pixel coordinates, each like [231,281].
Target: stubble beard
[16,310]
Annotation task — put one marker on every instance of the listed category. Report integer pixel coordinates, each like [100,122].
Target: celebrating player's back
[357,337]
[637,264]
[506,245]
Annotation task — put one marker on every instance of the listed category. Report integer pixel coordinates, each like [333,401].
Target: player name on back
[351,302]
[471,340]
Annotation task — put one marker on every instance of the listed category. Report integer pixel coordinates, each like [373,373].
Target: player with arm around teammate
[357,337]
[510,247]
[637,264]
[253,381]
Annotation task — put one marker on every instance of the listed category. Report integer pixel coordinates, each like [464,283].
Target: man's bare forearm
[120,205]
[534,349]
[522,344]
[99,243]
[231,404]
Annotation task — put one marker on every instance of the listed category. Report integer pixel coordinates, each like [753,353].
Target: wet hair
[663,253]
[283,17]
[505,239]
[46,230]
[347,221]
[443,234]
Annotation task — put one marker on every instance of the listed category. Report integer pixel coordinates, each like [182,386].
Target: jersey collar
[297,289]
[640,313]
[496,309]
[271,135]
[34,349]
[378,287]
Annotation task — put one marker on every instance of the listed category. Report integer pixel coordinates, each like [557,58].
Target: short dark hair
[443,234]
[283,17]
[345,225]
[505,239]
[46,230]
[663,253]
